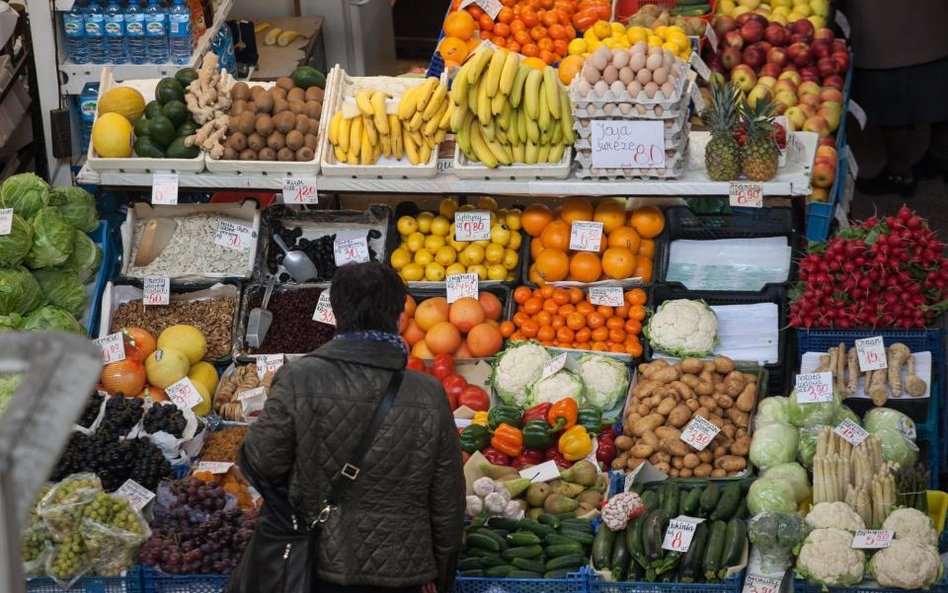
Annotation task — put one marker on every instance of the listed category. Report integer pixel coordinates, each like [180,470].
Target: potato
[733,388]
[706,456]
[644,388]
[673,473]
[655,400]
[647,368]
[741,432]
[683,389]
[692,404]
[703,412]
[716,420]
[619,463]
[674,447]
[723,401]
[741,446]
[691,365]
[663,467]
[708,402]
[632,417]
[739,418]
[691,461]
[704,388]
[644,410]
[703,470]
[624,443]
[707,367]
[642,450]
[750,378]
[667,433]
[723,364]
[730,463]
[719,452]
[729,430]
[650,422]
[747,398]
[718,473]
[707,377]
[685,473]
[650,438]
[659,457]
[679,416]
[690,380]
[666,406]
[633,462]
[666,375]
[677,462]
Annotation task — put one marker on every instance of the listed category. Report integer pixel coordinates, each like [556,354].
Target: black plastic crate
[778,373]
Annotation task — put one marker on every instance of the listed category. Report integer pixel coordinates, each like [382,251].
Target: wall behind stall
[258,8]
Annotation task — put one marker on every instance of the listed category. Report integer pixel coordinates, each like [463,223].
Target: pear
[584,508]
[556,503]
[535,513]
[602,483]
[565,488]
[590,496]
[499,472]
[583,473]
[516,487]
[537,494]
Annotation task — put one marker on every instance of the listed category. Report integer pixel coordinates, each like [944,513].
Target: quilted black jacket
[400,523]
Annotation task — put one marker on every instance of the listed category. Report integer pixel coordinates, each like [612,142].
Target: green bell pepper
[591,418]
[536,435]
[474,438]
[504,415]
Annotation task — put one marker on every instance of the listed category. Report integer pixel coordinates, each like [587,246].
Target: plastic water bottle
[135,32]
[94,19]
[179,34]
[88,103]
[156,32]
[115,32]
[75,33]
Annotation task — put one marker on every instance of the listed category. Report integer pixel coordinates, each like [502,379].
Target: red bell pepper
[553,454]
[495,457]
[475,398]
[537,412]
[528,457]
[606,450]
[608,431]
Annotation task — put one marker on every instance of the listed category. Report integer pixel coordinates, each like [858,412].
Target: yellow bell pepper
[575,443]
[480,418]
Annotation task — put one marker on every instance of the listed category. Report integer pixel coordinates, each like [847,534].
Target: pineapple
[722,156]
[760,153]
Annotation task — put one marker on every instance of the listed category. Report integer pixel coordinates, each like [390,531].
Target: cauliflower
[907,564]
[517,368]
[826,558]
[912,524]
[834,514]
[683,328]
[606,380]
[560,385]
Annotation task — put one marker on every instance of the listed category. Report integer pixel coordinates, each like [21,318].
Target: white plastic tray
[467,169]
[138,164]
[342,86]
[923,368]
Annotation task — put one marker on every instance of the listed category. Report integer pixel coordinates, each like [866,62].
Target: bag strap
[349,472]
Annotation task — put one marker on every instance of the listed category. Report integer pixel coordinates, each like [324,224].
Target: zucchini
[503,523]
[602,546]
[520,573]
[633,541]
[712,552]
[684,3]
[586,539]
[690,570]
[565,549]
[576,525]
[619,563]
[727,504]
[691,502]
[498,571]
[522,552]
[573,561]
[559,573]
[548,519]
[529,564]
[734,538]
[483,541]
[523,538]
[670,502]
[470,563]
[473,572]
[650,499]
[555,539]
[709,498]
[653,532]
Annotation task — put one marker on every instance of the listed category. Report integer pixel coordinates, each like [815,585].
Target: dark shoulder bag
[281,556]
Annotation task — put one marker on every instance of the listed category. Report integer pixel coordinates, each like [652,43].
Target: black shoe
[931,166]
[887,182]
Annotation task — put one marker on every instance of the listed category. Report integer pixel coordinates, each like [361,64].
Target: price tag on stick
[758,584]
[323,312]
[268,363]
[350,247]
[553,366]
[6,221]
[585,236]
[851,432]
[459,286]
[184,394]
[300,190]
[113,348]
[872,539]
[473,225]
[871,354]
[746,194]
[680,532]
[814,388]
[164,188]
[136,494]
[233,235]
[610,296]
[699,433]
[213,467]
[627,144]
[156,291]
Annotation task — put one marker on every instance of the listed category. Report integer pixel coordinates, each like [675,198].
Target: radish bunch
[883,272]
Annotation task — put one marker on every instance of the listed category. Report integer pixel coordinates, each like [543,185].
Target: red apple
[827,152]
[802,27]
[824,33]
[743,76]
[752,31]
[800,54]
[786,85]
[733,39]
[777,56]
[821,48]
[723,24]
[817,124]
[810,73]
[842,60]
[786,98]
[840,45]
[790,73]
[826,66]
[827,141]
[730,57]
[768,81]
[742,18]
[823,174]
[808,87]
[811,100]
[776,34]
[770,69]
[831,94]
[754,56]
[797,38]
[808,110]
[836,81]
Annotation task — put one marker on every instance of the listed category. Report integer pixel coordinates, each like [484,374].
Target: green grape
[69,559]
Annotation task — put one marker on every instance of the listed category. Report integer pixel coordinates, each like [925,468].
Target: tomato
[475,398]
[445,361]
[584,19]
[453,386]
[415,364]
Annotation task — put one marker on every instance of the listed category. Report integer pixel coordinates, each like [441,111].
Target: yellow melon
[123,100]
[112,136]
[205,374]
[184,338]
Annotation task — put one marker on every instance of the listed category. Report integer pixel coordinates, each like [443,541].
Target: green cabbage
[53,240]
[897,447]
[10,322]
[63,289]
[19,291]
[605,379]
[886,418]
[26,193]
[85,259]
[8,386]
[768,494]
[806,450]
[76,205]
[812,414]
[562,384]
[15,246]
[770,410]
[773,444]
[517,368]
[793,474]
[844,413]
[51,318]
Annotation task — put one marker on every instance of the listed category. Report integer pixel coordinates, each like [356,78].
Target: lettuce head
[77,207]
[15,246]
[63,289]
[53,240]
[26,193]
[51,318]
[19,291]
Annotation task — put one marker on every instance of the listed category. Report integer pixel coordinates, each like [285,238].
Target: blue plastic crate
[130,583]
[732,584]
[576,582]
[819,215]
[102,237]
[802,586]
[157,582]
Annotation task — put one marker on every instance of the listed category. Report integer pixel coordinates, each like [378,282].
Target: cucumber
[573,561]
[500,532]
[498,535]
[709,498]
[523,538]
[535,527]
[690,570]
[565,549]
[734,538]
[559,573]
[474,572]
[586,539]
[504,523]
[524,574]
[691,502]
[670,501]
[522,552]
[742,512]
[529,564]
[711,563]
[556,539]
[602,546]
[483,541]
[697,10]
[498,571]
[727,504]
[690,2]
[470,563]
[619,563]
[576,525]
[548,519]
[652,535]
[493,561]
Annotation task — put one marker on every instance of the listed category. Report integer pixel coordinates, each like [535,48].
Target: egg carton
[581,125]
[674,166]
[667,101]
[631,109]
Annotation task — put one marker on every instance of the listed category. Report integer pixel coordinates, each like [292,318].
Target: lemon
[454,269]
[483,244]
[424,222]
[671,46]
[610,43]
[589,36]
[512,220]
[472,255]
[617,29]
[479,269]
[486,203]
[457,245]
[496,272]
[602,30]
[448,207]
[446,256]
[662,31]
[415,241]
[494,254]
[654,41]
[434,272]
[434,242]
[440,226]
[205,374]
[576,47]
[112,136]
[636,34]
[400,258]
[515,240]
[423,257]
[466,208]
[406,225]
[412,272]
[511,259]
[499,234]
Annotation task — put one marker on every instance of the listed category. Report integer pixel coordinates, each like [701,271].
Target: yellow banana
[446,116]
[439,136]
[543,114]
[513,128]
[531,93]
[364,101]
[457,117]
[432,125]
[272,36]
[386,145]
[340,154]
[416,137]
[407,104]
[556,135]
[544,136]
[395,126]
[462,134]
[438,98]
[488,132]
[424,95]
[530,154]
[509,72]
[497,103]
[480,60]
[483,104]
[481,151]
[416,121]
[503,118]
[472,92]
[261,27]
[334,128]
[499,153]
[352,157]
[543,154]
[411,149]
[566,117]
[365,155]
[344,133]
[355,135]
[522,125]
[288,37]
[460,84]
[378,112]
[424,153]
[518,152]
[533,130]
[556,153]
[500,136]
[494,70]
[368,126]
[376,153]
[516,90]
[552,84]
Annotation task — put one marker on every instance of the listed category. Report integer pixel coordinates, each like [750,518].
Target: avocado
[186,76]
[169,89]
[177,150]
[145,148]
[153,110]
[187,128]
[176,111]
[162,131]
[307,76]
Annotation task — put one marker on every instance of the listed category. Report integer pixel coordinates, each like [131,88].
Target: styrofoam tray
[138,164]
[674,165]
[625,97]
[276,168]
[467,169]
[344,86]
[628,109]
[923,368]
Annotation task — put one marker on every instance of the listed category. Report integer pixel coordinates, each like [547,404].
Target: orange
[533,61]
[532,306]
[547,291]
[507,328]
[610,214]
[624,236]
[530,328]
[600,346]
[585,267]
[576,296]
[485,23]
[459,24]
[560,296]
[501,30]
[551,306]
[618,262]
[557,322]
[637,312]
[549,58]
[605,311]
[533,276]
[536,246]
[576,321]
[543,317]
[647,248]
[633,326]
[648,221]
[643,268]
[595,320]
[565,334]
[583,335]
[553,265]
[566,309]
[600,334]
[546,333]
[615,322]
[472,44]
[636,296]
[616,336]
[521,294]
[633,348]
[556,236]
[585,307]
[453,50]
[576,209]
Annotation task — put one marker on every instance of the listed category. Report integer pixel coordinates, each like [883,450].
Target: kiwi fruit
[295,94]
[280,105]
[313,126]
[276,140]
[256,91]
[311,141]
[264,125]
[284,121]
[278,92]
[302,123]
[240,92]
[237,107]
[251,107]
[233,122]
[305,153]
[267,154]
[246,122]
[230,154]
[255,141]
[237,141]
[285,154]
[297,107]
[285,82]
[248,155]
[313,109]
[314,93]
[264,102]
[294,140]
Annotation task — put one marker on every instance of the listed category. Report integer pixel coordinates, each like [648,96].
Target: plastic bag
[806,449]
[775,535]
[61,508]
[36,544]
[70,560]
[176,450]
[111,526]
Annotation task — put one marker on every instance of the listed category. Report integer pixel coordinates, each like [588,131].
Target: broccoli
[776,535]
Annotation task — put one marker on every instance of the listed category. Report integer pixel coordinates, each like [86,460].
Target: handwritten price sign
[113,348]
[585,236]
[136,494]
[553,366]
[748,194]
[679,534]
[871,354]
[459,286]
[628,144]
[814,388]
[473,225]
[699,433]
[6,221]
[323,312]
[872,539]
[610,296]
[184,394]
[156,291]
[268,363]
[851,431]
[300,190]
[232,235]
[164,188]
[758,584]
[213,467]
[491,7]
[350,248]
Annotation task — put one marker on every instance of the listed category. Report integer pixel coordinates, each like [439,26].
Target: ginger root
[208,99]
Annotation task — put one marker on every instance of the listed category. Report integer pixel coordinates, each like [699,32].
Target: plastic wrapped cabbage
[806,448]
[19,291]
[768,494]
[775,535]
[793,474]
[85,259]
[26,193]
[53,240]
[51,318]
[15,246]
[63,289]
[886,418]
[806,414]
[606,380]
[770,410]
[773,444]
[844,413]
[10,322]
[76,205]
[896,447]
[560,385]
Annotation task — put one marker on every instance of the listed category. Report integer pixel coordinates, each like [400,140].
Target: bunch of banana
[506,112]
[363,131]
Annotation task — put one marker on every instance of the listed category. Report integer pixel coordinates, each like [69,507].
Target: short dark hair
[367,297]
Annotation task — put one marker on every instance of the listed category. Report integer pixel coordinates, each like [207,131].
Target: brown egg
[644,76]
[610,74]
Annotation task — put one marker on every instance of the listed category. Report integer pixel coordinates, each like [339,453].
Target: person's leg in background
[935,161]
[897,176]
